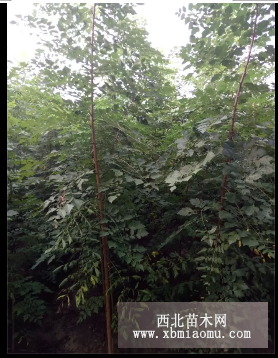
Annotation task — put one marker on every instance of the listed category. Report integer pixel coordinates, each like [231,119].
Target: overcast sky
[165,29]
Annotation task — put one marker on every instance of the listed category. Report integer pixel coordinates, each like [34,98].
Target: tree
[161,157]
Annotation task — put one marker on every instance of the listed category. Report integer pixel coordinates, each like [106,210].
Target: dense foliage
[162,158]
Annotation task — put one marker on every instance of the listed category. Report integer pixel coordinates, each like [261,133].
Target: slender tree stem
[231,133]
[105,251]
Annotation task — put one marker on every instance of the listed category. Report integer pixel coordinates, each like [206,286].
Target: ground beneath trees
[61,334]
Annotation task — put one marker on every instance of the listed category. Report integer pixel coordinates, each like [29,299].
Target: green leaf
[62,213]
[68,208]
[228,63]
[186,212]
[243,286]
[212,230]
[51,210]
[229,10]
[196,202]
[25,317]
[208,158]
[129,178]
[136,277]
[12,213]
[111,244]
[46,203]
[127,217]
[238,293]
[112,198]
[56,177]
[230,197]
[141,233]
[216,77]
[225,215]
[220,50]
[221,30]
[77,203]
[251,242]
[118,173]
[194,30]
[201,258]
[243,233]
[79,185]
[138,181]
[51,259]
[203,250]
[236,30]
[249,210]
[233,238]
[228,150]
[139,267]
[240,272]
